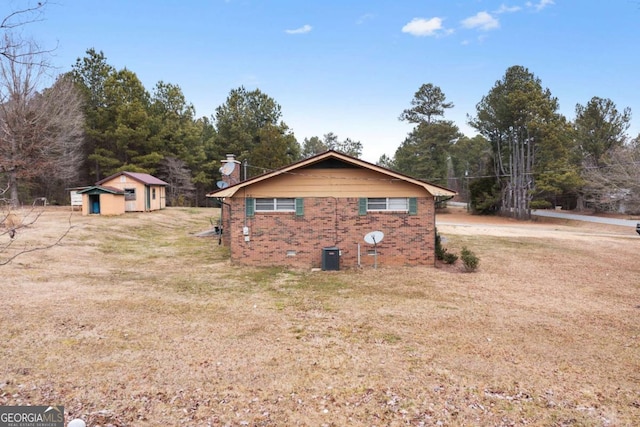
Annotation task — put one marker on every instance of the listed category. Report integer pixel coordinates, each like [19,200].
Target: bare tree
[40,131]
[614,183]
[177,174]
[11,49]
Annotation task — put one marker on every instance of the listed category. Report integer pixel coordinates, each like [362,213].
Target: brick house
[301,214]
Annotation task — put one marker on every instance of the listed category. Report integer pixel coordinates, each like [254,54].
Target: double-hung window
[396,204]
[276,205]
[264,205]
[388,204]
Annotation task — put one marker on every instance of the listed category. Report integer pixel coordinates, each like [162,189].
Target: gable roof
[434,190]
[100,189]
[144,178]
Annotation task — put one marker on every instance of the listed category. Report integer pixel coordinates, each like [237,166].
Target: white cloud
[423,27]
[541,4]
[481,20]
[507,9]
[302,30]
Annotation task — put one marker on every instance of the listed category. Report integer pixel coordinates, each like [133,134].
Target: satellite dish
[227,168]
[374,237]
[222,184]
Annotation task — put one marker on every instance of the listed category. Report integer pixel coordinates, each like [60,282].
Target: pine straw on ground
[134,321]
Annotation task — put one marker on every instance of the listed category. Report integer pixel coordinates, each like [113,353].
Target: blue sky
[351,67]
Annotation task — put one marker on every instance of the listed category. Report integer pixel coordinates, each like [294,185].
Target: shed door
[94,204]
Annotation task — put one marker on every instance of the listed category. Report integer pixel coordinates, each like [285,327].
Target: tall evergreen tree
[349,147]
[90,73]
[600,127]
[249,120]
[205,173]
[515,116]
[312,146]
[427,103]
[127,144]
[386,162]
[315,145]
[425,153]
[275,147]
[557,166]
[177,137]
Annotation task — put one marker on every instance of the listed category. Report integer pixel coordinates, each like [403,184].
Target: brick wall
[285,239]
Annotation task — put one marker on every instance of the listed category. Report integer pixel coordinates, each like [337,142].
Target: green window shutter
[249,206]
[362,206]
[413,206]
[299,206]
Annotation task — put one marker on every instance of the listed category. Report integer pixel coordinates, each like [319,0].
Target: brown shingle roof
[144,178]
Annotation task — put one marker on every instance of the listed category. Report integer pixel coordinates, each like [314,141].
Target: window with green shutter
[299,206]
[362,206]
[249,206]
[413,206]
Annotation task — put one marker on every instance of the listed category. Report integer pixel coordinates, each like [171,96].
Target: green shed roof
[97,189]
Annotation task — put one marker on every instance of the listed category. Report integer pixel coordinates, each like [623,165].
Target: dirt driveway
[456,220]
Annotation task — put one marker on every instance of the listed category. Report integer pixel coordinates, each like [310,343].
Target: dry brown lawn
[134,321]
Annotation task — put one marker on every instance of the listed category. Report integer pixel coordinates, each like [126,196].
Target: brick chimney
[234,176]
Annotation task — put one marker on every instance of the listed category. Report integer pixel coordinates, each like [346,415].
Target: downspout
[222,204]
[335,224]
[435,230]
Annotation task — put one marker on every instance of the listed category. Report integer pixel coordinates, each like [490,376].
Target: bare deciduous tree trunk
[40,131]
[12,184]
[178,175]
[614,186]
